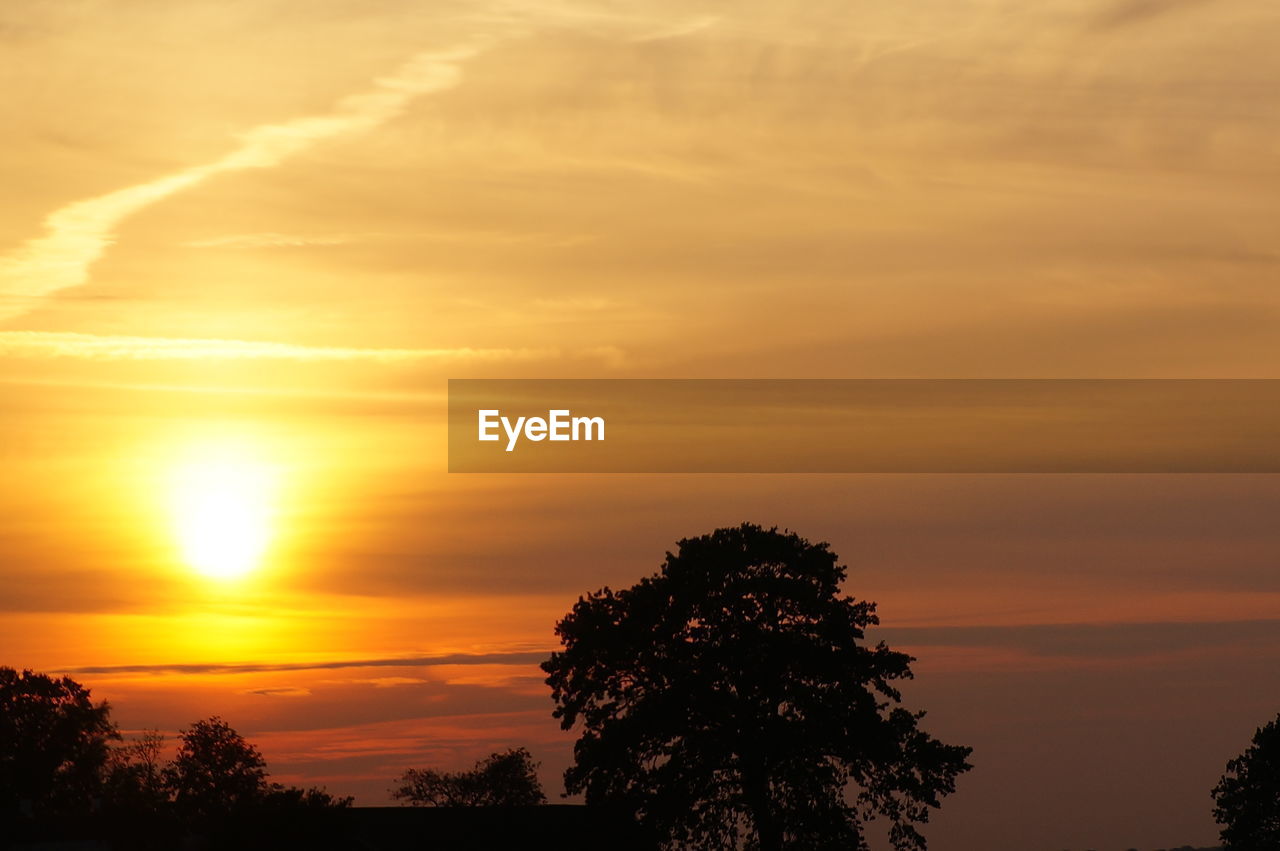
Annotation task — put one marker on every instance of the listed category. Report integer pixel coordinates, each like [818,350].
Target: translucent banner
[864,426]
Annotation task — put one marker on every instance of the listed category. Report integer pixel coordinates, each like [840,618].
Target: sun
[223,506]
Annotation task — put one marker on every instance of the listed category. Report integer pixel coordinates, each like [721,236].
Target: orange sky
[273,229]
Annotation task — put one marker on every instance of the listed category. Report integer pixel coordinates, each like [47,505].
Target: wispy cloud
[1119,640]
[301,240]
[60,344]
[1129,12]
[679,30]
[514,658]
[275,240]
[283,691]
[78,234]
[384,682]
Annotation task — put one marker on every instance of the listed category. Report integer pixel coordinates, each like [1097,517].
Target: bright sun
[223,502]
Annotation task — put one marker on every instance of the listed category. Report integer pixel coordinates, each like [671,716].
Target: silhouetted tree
[135,781]
[730,700]
[1248,795]
[506,779]
[53,743]
[216,772]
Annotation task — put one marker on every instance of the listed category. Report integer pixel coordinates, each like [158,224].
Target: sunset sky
[243,245]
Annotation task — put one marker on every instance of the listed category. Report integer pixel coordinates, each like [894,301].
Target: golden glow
[223,505]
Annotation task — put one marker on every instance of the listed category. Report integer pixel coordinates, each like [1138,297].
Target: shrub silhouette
[505,779]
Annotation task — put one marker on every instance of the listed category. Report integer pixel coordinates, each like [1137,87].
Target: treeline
[61,755]
[66,770]
[732,699]
[64,766]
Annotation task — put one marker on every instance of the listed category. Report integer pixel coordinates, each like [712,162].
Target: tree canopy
[54,742]
[731,700]
[1247,797]
[505,779]
[216,771]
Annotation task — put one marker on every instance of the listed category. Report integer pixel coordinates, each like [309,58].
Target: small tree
[216,772]
[135,779]
[1247,797]
[506,779]
[731,701]
[54,742]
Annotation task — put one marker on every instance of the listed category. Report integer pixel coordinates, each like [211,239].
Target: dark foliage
[216,772]
[730,700]
[54,743]
[134,781]
[1247,797]
[506,779]
[294,798]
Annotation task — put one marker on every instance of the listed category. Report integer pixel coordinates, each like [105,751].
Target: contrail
[77,235]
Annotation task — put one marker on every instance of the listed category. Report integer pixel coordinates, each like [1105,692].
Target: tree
[506,779]
[1247,797]
[135,781]
[730,701]
[53,743]
[216,772]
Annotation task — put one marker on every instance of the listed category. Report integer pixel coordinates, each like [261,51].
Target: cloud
[1093,641]
[299,240]
[389,682]
[284,691]
[1129,12]
[680,30]
[78,234]
[513,658]
[59,344]
[275,240]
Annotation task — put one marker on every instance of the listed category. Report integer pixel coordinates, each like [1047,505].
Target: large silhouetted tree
[1248,795]
[53,743]
[730,700]
[506,779]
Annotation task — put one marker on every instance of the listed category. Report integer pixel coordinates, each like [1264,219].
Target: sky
[243,245]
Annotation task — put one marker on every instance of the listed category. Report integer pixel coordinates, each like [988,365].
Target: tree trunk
[768,831]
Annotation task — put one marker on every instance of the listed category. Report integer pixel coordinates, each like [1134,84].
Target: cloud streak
[61,344]
[303,240]
[514,658]
[77,235]
[275,240]
[679,30]
[1131,12]
[1095,641]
